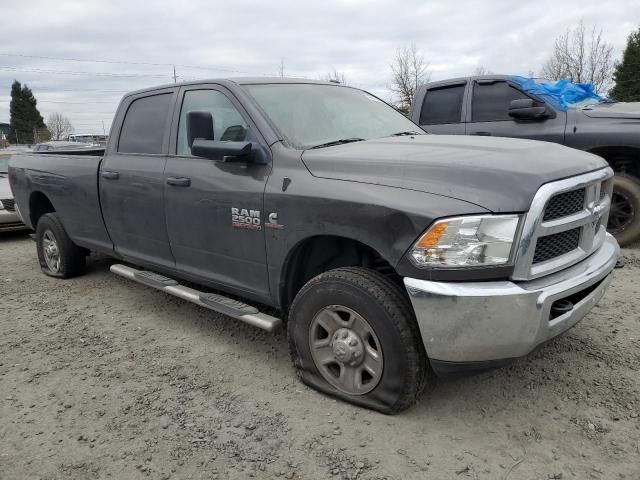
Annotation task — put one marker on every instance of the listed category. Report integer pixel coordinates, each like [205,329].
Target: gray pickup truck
[393,254]
[496,105]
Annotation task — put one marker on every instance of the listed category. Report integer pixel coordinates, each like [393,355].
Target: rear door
[489,114]
[442,109]
[132,178]
[214,208]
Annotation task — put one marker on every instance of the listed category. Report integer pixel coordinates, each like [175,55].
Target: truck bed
[69,181]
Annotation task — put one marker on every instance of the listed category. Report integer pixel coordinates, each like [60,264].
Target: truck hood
[499,174]
[614,110]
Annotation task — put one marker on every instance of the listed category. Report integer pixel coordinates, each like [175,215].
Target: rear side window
[491,101]
[442,105]
[143,126]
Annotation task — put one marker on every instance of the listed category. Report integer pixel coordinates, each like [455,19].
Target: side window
[491,101]
[442,105]
[228,124]
[143,126]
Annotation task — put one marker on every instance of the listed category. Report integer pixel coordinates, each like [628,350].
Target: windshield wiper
[339,142]
[401,134]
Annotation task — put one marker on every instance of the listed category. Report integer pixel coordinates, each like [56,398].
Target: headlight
[467,242]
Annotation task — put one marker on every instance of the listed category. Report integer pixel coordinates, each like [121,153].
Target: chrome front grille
[9,204]
[564,204]
[566,223]
[553,246]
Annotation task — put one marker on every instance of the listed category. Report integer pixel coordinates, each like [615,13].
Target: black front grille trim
[555,245]
[564,204]
[9,204]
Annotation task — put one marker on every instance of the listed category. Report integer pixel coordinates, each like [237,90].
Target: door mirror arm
[230,152]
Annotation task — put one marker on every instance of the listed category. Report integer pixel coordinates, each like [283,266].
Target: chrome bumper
[10,221]
[492,321]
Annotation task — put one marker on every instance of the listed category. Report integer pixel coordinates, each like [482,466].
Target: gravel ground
[104,378]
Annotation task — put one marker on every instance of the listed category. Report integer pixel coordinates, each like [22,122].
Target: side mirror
[201,141]
[199,125]
[529,109]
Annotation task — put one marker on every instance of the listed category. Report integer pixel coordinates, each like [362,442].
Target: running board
[212,301]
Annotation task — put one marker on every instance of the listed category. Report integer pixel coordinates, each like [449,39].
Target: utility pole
[281,66]
[175,77]
[103,131]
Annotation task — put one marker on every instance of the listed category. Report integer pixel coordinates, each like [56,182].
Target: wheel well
[319,254]
[39,204]
[621,159]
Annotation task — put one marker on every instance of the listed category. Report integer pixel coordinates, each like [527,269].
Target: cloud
[224,38]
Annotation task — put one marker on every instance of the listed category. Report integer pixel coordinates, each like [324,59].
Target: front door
[489,115]
[132,179]
[214,209]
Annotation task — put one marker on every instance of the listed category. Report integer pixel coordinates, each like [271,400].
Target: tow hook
[560,307]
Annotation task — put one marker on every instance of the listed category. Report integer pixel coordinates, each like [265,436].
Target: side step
[212,301]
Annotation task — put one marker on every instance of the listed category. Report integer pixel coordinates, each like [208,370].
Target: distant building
[88,138]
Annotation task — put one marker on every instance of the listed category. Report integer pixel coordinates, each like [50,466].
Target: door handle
[481,134]
[179,181]
[110,175]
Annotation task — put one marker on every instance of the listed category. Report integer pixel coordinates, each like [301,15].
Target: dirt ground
[105,378]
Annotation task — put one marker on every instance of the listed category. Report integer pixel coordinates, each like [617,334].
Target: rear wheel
[57,254]
[353,335]
[624,216]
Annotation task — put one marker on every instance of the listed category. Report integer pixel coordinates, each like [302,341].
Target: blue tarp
[562,94]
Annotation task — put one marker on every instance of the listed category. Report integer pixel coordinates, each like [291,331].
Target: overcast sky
[235,38]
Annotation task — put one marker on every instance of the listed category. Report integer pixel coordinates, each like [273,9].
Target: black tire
[387,310]
[624,217]
[72,259]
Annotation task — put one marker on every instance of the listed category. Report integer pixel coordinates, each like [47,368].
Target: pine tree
[26,123]
[627,74]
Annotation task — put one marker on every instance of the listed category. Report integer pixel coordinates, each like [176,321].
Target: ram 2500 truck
[496,105]
[392,254]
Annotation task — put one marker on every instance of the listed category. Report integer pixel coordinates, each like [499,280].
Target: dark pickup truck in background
[494,105]
[391,253]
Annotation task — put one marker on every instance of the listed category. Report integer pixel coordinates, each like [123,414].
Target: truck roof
[470,77]
[235,81]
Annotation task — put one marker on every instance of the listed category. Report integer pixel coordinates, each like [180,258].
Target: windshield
[310,115]
[4,164]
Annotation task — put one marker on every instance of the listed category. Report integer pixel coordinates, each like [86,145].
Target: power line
[65,103]
[74,72]
[123,62]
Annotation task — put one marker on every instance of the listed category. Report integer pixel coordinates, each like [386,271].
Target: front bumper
[485,323]
[10,221]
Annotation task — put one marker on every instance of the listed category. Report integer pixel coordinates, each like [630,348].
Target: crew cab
[393,255]
[497,105]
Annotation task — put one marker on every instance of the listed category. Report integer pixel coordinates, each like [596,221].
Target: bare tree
[580,59]
[481,70]
[335,76]
[409,70]
[59,126]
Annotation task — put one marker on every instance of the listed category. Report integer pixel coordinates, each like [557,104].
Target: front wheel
[353,335]
[57,254]
[624,216]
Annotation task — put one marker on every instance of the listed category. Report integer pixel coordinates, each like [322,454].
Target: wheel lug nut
[352,342]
